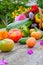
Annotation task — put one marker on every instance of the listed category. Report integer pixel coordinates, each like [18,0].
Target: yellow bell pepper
[37,18]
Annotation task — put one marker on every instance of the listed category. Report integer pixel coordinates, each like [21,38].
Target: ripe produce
[3,34]
[37,18]
[25,30]
[6,45]
[31,30]
[23,40]
[36,34]
[15,34]
[25,25]
[34,9]
[30,42]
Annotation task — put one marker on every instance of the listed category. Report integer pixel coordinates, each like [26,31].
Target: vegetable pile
[23,30]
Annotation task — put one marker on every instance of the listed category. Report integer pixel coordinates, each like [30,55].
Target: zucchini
[27,22]
[23,40]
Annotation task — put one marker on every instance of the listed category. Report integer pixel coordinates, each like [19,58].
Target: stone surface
[19,56]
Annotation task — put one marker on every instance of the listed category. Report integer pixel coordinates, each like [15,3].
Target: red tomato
[15,34]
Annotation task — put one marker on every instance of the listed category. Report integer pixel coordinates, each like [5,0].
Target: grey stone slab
[19,56]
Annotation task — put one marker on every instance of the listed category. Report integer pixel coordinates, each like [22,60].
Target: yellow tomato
[31,30]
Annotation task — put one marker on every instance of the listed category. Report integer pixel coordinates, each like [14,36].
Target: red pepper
[34,9]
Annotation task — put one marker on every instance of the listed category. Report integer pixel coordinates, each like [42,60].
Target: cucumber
[27,22]
[23,40]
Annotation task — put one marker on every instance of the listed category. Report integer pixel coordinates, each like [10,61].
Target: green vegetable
[38,15]
[25,30]
[26,22]
[23,40]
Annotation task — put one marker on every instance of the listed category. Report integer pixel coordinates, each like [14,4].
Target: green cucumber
[23,40]
[26,22]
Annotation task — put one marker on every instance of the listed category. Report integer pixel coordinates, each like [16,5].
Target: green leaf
[40,3]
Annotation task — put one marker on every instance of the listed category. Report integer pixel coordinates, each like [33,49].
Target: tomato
[32,30]
[30,42]
[15,34]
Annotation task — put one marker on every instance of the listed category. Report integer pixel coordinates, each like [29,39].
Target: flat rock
[19,56]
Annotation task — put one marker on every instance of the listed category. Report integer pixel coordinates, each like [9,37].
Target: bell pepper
[37,18]
[34,9]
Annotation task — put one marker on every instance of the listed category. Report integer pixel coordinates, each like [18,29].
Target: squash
[30,42]
[3,34]
[36,34]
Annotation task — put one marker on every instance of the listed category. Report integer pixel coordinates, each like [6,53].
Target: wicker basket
[40,24]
